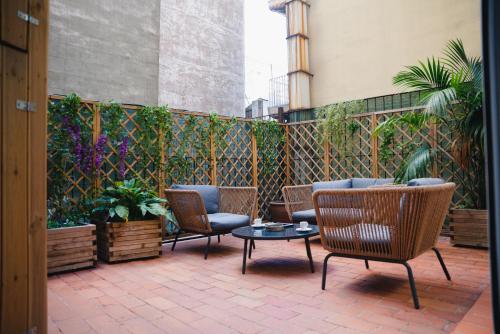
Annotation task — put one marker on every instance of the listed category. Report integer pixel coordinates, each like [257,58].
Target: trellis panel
[235,160]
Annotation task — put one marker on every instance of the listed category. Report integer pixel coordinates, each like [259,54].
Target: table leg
[309,255]
[250,249]
[244,266]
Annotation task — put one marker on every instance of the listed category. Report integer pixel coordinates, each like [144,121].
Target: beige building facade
[355,47]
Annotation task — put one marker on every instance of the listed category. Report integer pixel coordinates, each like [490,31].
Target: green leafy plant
[155,126]
[220,128]
[337,125]
[68,149]
[112,117]
[129,200]
[269,135]
[452,96]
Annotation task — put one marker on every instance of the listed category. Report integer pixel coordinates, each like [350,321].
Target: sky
[265,48]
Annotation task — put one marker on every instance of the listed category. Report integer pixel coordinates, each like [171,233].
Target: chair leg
[412,285]
[325,265]
[367,265]
[440,258]
[218,238]
[207,247]
[175,240]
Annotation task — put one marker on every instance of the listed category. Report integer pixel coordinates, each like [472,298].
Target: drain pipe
[299,77]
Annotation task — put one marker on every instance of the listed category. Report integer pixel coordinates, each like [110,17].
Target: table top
[249,232]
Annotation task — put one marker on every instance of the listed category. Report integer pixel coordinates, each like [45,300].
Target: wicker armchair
[388,224]
[211,210]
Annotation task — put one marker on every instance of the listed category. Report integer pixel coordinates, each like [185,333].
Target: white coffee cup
[257,221]
[304,225]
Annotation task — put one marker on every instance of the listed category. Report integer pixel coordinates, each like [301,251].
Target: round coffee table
[249,233]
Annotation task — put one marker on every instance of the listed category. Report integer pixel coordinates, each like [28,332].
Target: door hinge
[28,18]
[25,105]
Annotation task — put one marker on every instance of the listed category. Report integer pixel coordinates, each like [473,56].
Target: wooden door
[23,101]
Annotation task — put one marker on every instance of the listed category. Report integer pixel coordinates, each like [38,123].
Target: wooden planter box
[129,241]
[71,248]
[469,227]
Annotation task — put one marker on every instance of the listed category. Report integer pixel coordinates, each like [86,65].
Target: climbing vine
[69,148]
[113,116]
[155,126]
[336,124]
[268,136]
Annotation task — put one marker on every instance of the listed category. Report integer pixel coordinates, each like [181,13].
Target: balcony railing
[278,91]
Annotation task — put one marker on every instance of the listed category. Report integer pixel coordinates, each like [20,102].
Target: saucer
[306,229]
[258,226]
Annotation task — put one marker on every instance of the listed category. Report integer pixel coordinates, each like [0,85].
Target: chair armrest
[238,200]
[297,198]
[189,210]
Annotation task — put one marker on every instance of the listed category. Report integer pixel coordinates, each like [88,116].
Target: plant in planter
[71,243]
[71,239]
[128,218]
[452,98]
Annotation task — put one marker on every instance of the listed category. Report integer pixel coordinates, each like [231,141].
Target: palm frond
[425,76]
[416,165]
[437,102]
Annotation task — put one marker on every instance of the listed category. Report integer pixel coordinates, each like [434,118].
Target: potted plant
[452,96]
[128,219]
[71,241]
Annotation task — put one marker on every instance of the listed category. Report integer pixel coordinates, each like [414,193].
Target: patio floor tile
[180,292]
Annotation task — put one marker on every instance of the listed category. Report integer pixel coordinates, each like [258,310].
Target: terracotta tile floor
[182,293]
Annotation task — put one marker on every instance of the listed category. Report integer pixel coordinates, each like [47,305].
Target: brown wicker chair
[219,212]
[388,224]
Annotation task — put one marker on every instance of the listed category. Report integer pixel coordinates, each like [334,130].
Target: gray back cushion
[425,182]
[210,195]
[339,184]
[366,182]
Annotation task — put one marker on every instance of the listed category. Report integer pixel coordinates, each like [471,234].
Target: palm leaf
[425,76]
[437,102]
[416,165]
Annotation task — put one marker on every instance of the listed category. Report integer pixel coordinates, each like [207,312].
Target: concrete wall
[185,53]
[202,55]
[357,46]
[105,49]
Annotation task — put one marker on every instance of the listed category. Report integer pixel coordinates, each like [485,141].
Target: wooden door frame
[23,150]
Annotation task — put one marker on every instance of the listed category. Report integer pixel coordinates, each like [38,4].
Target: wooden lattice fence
[234,160]
[230,161]
[312,161]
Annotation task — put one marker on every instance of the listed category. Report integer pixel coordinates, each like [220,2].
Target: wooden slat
[15,183]
[71,267]
[71,247]
[14,30]
[119,242]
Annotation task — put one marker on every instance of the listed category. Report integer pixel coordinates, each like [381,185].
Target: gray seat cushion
[210,195]
[305,215]
[425,182]
[338,184]
[226,222]
[366,182]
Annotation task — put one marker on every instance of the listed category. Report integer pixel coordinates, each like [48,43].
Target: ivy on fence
[92,144]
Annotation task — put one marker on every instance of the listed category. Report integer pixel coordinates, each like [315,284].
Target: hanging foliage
[269,136]
[336,125]
[112,118]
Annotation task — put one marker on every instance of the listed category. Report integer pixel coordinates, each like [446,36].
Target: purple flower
[99,151]
[123,150]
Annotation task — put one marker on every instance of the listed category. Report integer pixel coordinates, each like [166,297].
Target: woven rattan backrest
[298,198]
[389,222]
[189,210]
[238,200]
